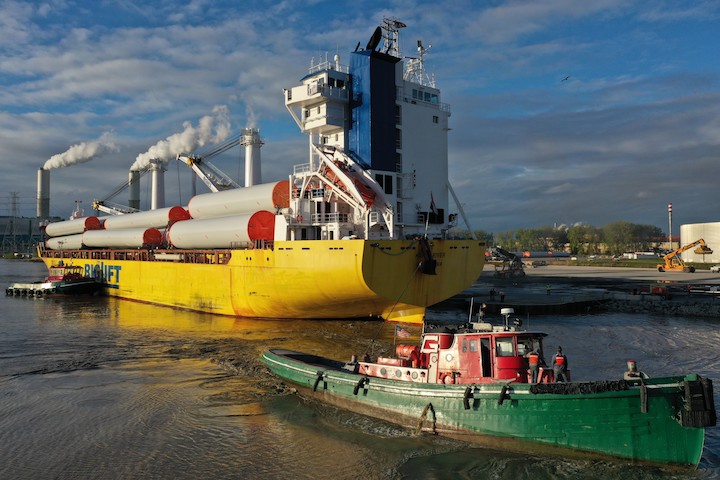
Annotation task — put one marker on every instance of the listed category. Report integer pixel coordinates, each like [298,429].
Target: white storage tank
[710,232]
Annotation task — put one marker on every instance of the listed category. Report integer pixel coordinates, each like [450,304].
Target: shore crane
[674,263]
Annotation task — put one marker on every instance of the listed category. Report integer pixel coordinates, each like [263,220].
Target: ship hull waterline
[601,425]
[295,279]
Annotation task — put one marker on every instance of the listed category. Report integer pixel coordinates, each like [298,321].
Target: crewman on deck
[534,364]
[560,365]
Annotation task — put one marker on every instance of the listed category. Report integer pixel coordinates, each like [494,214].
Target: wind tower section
[250,139]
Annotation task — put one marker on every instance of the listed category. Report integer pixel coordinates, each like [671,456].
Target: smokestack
[134,183]
[158,184]
[43,194]
[251,141]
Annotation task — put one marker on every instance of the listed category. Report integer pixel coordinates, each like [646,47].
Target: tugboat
[473,382]
[62,280]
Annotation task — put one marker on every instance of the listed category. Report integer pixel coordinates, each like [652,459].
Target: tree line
[613,239]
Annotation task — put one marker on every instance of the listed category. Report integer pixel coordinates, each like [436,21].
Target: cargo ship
[363,229]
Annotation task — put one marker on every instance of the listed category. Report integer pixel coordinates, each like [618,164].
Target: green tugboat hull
[650,421]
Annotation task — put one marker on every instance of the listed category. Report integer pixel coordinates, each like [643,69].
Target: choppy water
[92,387]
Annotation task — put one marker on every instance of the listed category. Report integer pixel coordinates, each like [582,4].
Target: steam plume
[211,129]
[83,152]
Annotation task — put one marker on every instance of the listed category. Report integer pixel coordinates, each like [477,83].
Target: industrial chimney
[134,184]
[157,167]
[43,194]
[250,139]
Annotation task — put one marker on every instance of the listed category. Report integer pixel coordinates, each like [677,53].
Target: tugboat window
[504,347]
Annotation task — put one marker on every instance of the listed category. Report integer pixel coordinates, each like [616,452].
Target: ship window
[464,347]
[473,345]
[504,347]
[436,119]
[388,184]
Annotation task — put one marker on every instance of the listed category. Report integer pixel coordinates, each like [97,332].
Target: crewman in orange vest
[534,364]
[560,365]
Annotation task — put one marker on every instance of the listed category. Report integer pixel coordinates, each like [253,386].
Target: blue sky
[634,127]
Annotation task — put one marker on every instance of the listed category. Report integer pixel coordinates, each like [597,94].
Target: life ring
[299,218]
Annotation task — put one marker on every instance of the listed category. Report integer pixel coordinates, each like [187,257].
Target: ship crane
[215,179]
[106,206]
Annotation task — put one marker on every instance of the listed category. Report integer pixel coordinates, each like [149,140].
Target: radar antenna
[391,27]
[415,68]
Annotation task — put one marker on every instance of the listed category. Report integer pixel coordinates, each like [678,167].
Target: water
[92,387]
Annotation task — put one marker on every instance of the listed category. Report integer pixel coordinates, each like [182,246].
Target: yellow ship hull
[295,279]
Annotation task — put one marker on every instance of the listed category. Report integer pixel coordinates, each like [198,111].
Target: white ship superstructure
[378,147]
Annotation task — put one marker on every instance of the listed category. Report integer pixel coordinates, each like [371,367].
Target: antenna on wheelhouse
[415,68]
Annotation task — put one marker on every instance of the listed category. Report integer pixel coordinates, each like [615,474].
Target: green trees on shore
[612,239]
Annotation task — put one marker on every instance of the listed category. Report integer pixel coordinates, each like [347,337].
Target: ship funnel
[250,139]
[157,167]
[134,184]
[43,194]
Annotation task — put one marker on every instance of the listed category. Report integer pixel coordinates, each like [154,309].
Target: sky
[563,111]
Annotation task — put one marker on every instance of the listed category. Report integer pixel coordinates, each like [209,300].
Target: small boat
[61,280]
[473,382]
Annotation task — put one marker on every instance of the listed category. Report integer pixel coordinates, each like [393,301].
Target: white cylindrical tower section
[268,196]
[43,194]
[68,242]
[250,139]
[158,184]
[125,238]
[158,218]
[236,231]
[134,184]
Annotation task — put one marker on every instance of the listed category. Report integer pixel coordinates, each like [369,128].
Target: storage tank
[67,242]
[159,218]
[710,232]
[223,232]
[266,196]
[76,225]
[124,238]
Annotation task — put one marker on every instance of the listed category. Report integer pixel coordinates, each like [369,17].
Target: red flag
[401,332]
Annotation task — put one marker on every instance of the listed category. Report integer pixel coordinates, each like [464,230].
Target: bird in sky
[566,78]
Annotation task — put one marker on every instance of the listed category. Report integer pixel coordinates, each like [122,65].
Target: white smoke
[83,152]
[211,129]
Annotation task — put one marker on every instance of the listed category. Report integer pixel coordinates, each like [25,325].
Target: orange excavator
[674,263]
